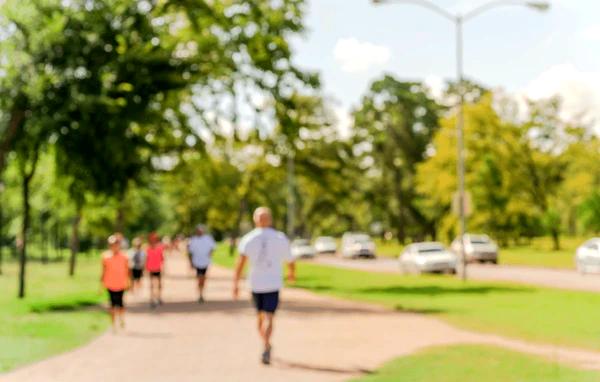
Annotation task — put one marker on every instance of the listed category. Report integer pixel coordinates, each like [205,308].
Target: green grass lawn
[475,364]
[58,313]
[385,248]
[537,314]
[539,253]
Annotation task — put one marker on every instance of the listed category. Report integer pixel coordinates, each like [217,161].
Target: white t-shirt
[266,249]
[200,248]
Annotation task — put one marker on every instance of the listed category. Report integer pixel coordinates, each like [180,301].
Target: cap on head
[263,217]
[114,239]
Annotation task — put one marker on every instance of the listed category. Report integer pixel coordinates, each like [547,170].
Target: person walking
[137,260]
[200,248]
[266,249]
[115,278]
[154,265]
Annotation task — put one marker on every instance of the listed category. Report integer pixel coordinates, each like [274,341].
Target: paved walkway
[316,339]
[546,277]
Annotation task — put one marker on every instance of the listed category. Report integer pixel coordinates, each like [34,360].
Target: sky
[524,52]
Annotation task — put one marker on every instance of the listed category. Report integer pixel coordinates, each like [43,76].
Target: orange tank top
[116,271]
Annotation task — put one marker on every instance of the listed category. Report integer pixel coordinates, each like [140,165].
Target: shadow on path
[211,306]
[438,290]
[281,363]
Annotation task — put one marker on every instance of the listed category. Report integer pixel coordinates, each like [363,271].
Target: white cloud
[436,85]
[592,33]
[579,91]
[356,56]
[343,121]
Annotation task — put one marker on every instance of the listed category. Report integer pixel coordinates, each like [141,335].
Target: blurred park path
[316,339]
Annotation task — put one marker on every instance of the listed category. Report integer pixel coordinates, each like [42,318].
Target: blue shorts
[266,302]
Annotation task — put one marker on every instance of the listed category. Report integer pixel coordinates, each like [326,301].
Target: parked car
[325,244]
[587,257]
[355,245]
[478,248]
[301,248]
[427,257]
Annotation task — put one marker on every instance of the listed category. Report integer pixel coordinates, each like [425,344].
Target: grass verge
[536,314]
[474,364]
[57,315]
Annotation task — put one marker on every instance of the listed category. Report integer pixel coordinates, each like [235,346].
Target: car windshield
[325,240]
[480,240]
[362,240]
[430,250]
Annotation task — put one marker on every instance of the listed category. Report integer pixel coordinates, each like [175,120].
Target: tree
[393,127]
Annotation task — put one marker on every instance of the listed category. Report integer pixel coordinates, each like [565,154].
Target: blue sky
[527,53]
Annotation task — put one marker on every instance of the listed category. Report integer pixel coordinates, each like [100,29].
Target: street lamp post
[458,20]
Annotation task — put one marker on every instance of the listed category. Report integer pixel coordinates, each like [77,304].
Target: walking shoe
[266,357]
[201,300]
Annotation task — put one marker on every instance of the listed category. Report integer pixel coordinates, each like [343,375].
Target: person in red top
[154,264]
[115,278]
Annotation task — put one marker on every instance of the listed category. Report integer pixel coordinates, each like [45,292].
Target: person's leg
[201,281]
[159,294]
[260,321]
[268,330]
[111,309]
[121,309]
[152,288]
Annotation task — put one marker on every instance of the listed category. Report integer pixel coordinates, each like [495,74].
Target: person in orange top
[115,278]
[154,265]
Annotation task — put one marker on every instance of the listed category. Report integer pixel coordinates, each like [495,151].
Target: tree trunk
[120,220]
[16,122]
[24,229]
[43,239]
[555,239]
[74,241]
[400,221]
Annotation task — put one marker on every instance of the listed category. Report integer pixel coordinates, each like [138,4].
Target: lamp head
[541,6]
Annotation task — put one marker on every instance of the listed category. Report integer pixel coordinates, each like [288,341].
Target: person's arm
[291,272]
[239,269]
[102,276]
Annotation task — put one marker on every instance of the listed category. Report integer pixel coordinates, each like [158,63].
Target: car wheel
[452,271]
[495,261]
[581,268]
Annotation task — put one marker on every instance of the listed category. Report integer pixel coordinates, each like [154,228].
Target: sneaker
[266,357]
[153,304]
[201,300]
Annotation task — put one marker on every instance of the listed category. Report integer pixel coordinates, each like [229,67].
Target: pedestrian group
[264,249]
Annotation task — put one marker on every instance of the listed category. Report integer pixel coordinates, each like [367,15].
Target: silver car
[355,245]
[301,248]
[430,257]
[587,257]
[325,245]
[478,248]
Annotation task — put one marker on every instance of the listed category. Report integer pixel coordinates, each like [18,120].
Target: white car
[325,244]
[587,257]
[302,248]
[427,257]
[478,248]
[356,245]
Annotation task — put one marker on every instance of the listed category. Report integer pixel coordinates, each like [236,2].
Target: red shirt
[154,258]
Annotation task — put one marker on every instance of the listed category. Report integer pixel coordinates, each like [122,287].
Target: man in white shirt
[200,248]
[267,250]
